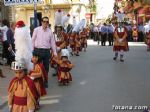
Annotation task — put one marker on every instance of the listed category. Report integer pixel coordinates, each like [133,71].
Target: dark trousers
[140,37]
[91,35]
[95,36]
[110,39]
[129,38]
[44,56]
[103,39]
[5,49]
[11,56]
[99,38]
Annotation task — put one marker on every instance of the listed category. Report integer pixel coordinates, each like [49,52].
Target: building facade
[136,10]
[48,8]
[4,11]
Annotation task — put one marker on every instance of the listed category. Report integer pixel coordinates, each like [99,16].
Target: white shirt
[4,30]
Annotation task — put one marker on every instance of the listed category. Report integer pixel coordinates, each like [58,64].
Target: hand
[31,110]
[10,108]
[55,57]
[10,48]
[120,40]
[32,78]
[58,48]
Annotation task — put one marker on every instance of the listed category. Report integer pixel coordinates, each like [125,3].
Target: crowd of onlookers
[104,32]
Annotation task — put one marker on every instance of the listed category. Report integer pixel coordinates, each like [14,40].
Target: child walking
[64,68]
[39,76]
[22,93]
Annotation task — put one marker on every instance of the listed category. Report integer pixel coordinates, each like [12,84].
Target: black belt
[42,49]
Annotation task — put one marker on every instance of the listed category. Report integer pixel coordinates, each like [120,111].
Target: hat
[65,53]
[120,16]
[65,20]
[20,24]
[58,17]
[16,65]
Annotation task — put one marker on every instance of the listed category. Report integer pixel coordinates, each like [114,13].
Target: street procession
[74,55]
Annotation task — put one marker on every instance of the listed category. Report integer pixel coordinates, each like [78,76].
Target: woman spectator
[10,40]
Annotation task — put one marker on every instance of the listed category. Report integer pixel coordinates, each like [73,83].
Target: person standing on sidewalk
[43,40]
[110,34]
[11,40]
[4,29]
[104,31]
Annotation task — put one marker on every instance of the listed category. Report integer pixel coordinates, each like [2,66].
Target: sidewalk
[4,83]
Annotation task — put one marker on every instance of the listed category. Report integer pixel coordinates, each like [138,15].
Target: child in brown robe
[39,76]
[22,93]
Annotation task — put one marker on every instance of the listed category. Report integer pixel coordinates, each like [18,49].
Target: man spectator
[4,29]
[91,30]
[129,28]
[10,40]
[43,40]
[110,34]
[99,31]
[96,34]
[104,32]
[140,32]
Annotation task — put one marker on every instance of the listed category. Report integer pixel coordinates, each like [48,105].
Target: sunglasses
[45,21]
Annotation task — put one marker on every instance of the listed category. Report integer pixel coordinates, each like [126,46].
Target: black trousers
[11,56]
[110,39]
[140,37]
[103,39]
[5,49]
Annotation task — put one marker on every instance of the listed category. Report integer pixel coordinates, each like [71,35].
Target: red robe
[118,46]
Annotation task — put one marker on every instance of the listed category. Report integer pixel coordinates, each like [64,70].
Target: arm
[125,34]
[9,40]
[53,44]
[70,65]
[10,100]
[30,102]
[11,94]
[37,72]
[34,36]
[3,28]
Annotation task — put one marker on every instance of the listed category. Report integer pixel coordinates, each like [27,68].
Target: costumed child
[83,36]
[39,76]
[135,33]
[64,68]
[72,42]
[22,93]
[120,38]
[148,37]
[148,40]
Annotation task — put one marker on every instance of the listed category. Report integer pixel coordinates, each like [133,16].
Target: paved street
[98,83]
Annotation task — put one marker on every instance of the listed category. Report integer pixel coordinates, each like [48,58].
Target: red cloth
[20,24]
[20,100]
[45,74]
[30,84]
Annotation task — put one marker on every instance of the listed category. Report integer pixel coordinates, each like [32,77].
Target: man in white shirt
[4,30]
